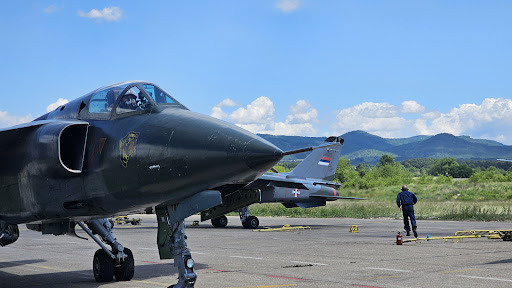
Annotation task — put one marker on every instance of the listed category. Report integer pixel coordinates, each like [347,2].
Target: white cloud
[54,105]
[431,115]
[302,112]
[281,128]
[108,14]
[217,111]
[259,111]
[227,103]
[7,120]
[491,115]
[412,107]
[300,129]
[381,119]
[491,119]
[52,8]
[258,117]
[288,6]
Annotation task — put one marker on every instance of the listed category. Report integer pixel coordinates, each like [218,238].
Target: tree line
[421,171]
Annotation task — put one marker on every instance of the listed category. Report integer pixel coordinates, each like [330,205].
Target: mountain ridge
[361,146]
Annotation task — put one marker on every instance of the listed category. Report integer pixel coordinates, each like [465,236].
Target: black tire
[223,221]
[126,270]
[251,222]
[103,266]
[220,222]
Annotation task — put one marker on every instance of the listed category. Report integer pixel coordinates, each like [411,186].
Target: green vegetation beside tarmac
[440,210]
[485,196]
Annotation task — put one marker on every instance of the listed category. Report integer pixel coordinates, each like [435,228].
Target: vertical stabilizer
[320,163]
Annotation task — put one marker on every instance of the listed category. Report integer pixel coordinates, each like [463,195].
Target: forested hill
[364,147]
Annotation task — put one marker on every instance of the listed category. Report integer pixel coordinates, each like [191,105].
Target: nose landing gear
[107,263]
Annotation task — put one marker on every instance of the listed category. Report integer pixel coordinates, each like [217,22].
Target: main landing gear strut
[107,263]
[171,233]
[182,257]
[249,222]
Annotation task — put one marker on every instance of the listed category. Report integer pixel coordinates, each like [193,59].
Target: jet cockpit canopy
[130,96]
[117,100]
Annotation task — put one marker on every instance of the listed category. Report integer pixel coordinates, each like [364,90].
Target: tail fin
[321,163]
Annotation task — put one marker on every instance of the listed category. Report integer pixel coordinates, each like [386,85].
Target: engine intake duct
[59,147]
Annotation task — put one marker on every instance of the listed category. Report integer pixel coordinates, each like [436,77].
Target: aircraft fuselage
[128,161]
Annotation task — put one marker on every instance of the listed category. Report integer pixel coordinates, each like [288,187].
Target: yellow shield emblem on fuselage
[127,147]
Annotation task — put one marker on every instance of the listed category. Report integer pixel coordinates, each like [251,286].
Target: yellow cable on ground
[460,235]
[286,227]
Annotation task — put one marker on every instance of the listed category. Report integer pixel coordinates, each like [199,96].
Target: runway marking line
[216,270]
[462,270]
[152,262]
[47,267]
[246,257]
[284,277]
[486,278]
[267,286]
[387,269]
[355,285]
[378,277]
[151,282]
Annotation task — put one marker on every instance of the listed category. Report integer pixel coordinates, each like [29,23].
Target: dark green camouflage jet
[119,149]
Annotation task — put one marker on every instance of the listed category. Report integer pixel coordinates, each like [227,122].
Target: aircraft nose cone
[202,152]
[260,155]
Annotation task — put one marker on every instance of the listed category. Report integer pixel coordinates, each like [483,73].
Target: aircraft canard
[117,149]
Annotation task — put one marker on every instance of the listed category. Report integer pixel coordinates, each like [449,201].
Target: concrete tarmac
[328,255]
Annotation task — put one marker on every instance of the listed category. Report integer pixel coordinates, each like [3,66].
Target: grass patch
[460,200]
[448,210]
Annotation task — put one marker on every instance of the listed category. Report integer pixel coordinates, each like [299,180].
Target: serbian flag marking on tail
[325,161]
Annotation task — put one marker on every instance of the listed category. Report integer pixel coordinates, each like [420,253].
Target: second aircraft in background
[310,184]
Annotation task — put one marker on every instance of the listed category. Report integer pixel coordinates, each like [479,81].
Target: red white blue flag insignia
[325,161]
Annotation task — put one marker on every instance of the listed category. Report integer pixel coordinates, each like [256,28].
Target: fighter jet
[308,185]
[117,149]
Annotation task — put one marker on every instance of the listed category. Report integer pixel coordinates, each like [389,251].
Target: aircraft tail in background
[321,163]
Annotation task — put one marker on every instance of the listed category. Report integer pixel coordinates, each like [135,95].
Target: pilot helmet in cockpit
[129,101]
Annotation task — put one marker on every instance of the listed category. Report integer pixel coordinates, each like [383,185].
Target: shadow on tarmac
[38,275]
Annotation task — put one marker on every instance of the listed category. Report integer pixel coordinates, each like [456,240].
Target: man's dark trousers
[408,212]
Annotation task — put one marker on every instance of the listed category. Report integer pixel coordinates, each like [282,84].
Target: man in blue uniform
[405,201]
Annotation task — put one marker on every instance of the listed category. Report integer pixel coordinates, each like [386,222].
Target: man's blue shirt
[406,198]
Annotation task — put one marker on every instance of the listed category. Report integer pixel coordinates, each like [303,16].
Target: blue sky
[287,67]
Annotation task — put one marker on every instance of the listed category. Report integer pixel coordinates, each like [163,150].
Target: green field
[462,200]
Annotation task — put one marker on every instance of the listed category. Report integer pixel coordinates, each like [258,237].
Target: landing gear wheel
[252,222]
[220,222]
[103,266]
[126,270]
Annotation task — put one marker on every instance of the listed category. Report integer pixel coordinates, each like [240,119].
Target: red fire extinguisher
[399,239]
